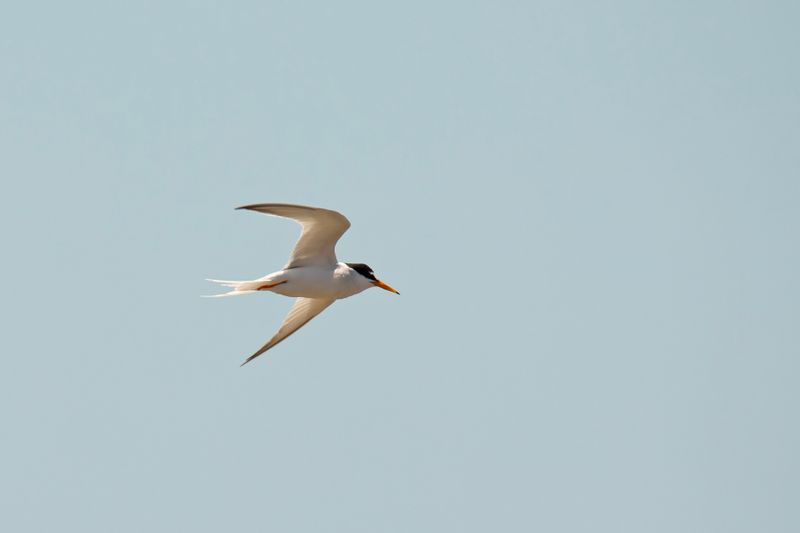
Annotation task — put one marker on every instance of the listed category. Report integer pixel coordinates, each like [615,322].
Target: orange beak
[384,286]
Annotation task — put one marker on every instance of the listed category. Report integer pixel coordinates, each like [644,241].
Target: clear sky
[590,208]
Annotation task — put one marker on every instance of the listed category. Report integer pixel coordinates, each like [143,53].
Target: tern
[313,275]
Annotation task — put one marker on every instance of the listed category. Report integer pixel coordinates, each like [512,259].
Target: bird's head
[366,272]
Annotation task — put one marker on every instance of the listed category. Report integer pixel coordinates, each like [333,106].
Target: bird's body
[312,275]
[338,282]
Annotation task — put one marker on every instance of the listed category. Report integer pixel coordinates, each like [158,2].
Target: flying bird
[313,275]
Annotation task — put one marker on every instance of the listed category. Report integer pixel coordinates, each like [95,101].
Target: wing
[321,229]
[303,310]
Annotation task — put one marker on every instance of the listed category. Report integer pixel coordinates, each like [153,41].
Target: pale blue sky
[591,209]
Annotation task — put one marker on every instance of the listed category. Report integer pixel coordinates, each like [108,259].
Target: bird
[313,275]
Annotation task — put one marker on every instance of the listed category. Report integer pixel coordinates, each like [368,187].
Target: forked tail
[239,288]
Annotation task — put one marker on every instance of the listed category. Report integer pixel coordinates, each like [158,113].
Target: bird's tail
[239,288]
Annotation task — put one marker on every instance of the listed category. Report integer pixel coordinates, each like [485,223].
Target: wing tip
[256,207]
[253,357]
[272,204]
[265,208]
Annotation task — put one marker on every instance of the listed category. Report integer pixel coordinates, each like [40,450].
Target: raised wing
[303,310]
[321,229]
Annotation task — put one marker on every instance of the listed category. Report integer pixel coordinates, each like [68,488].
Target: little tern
[313,275]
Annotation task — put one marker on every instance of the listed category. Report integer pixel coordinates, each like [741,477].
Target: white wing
[321,229]
[303,310]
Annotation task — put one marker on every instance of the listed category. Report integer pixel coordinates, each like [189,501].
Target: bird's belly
[310,283]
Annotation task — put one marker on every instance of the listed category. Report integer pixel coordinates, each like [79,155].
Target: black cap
[364,270]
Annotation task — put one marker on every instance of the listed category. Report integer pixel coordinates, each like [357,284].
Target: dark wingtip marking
[250,358]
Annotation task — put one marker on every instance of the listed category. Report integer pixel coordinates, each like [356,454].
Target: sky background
[590,208]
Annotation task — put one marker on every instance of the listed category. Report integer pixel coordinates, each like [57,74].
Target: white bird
[313,275]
